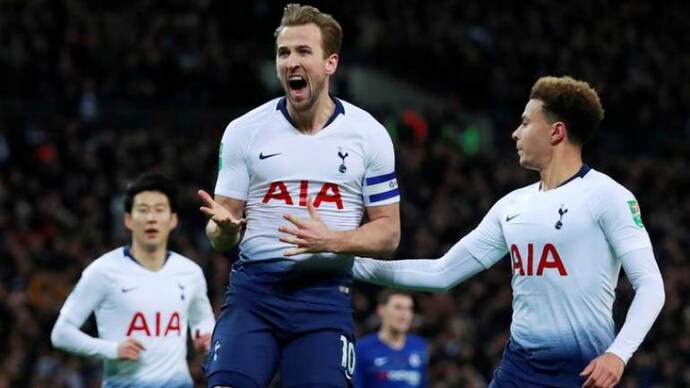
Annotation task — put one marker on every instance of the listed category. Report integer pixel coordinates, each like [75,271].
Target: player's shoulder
[106,261]
[520,193]
[416,341]
[600,184]
[255,118]
[183,262]
[363,118]
[368,339]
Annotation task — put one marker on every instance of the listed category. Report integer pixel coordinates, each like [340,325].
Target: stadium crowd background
[92,93]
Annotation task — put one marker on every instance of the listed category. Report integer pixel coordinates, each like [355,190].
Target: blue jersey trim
[381,178]
[127,252]
[381,196]
[282,107]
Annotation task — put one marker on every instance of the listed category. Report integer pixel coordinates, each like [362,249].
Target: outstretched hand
[310,235]
[604,371]
[219,214]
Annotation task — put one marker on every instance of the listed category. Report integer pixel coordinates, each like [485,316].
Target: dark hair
[299,15]
[151,182]
[385,295]
[571,101]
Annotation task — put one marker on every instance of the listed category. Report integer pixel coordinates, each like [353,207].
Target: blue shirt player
[391,357]
[287,308]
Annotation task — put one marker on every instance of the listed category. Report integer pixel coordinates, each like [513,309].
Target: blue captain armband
[381,190]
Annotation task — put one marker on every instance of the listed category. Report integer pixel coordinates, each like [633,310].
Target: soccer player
[392,358]
[145,299]
[304,151]
[567,236]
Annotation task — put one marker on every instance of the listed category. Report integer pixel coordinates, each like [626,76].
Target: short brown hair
[298,15]
[385,295]
[571,101]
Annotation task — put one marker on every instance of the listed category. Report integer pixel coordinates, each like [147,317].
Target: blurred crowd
[93,93]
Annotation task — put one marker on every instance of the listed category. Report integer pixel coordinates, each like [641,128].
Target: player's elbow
[57,338]
[390,243]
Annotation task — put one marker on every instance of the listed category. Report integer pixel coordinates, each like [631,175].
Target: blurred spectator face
[302,66]
[150,220]
[533,136]
[396,314]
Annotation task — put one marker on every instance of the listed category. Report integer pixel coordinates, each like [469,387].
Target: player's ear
[173,221]
[332,63]
[559,132]
[128,221]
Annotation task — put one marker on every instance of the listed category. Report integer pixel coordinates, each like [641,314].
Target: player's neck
[394,339]
[310,122]
[152,260]
[559,169]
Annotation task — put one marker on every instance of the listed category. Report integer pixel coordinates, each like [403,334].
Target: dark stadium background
[92,93]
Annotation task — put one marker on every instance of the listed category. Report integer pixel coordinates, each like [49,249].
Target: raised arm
[225,220]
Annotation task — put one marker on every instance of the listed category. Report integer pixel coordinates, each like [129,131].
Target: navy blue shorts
[259,333]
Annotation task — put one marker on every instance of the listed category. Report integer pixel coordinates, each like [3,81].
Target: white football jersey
[266,162]
[157,308]
[564,245]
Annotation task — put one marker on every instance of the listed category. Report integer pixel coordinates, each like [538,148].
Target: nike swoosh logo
[508,218]
[262,156]
[128,289]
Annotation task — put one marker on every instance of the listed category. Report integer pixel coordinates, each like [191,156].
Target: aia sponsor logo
[278,191]
[547,259]
[157,325]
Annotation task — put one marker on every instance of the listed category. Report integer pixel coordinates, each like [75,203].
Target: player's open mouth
[151,232]
[297,82]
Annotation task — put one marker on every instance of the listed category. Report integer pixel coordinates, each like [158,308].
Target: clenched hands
[604,371]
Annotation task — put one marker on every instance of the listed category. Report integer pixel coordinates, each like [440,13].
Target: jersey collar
[579,174]
[128,253]
[282,107]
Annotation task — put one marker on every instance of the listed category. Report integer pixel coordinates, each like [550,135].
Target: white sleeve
[440,274]
[643,273]
[380,186]
[233,175]
[80,304]
[200,312]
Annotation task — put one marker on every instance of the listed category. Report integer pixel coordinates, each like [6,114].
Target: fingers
[294,220]
[295,252]
[137,344]
[588,369]
[130,349]
[206,197]
[313,214]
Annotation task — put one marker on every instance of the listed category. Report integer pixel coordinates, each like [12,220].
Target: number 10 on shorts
[348,355]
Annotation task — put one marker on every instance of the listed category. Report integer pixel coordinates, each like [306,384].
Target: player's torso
[151,307]
[287,167]
[385,367]
[555,243]
[564,275]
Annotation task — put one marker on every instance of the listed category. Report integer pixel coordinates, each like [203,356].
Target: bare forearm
[376,238]
[221,240]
